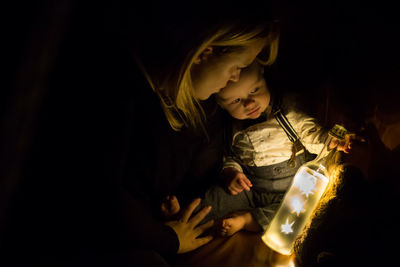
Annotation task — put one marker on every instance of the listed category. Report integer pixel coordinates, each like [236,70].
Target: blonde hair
[176,93]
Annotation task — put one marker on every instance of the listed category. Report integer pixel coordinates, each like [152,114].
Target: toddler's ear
[204,55]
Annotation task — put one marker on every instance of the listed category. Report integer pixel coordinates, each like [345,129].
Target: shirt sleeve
[242,152]
[310,132]
[230,162]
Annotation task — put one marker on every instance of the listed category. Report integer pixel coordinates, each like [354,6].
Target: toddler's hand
[344,145]
[236,181]
[239,183]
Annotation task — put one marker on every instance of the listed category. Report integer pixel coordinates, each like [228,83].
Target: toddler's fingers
[244,185]
[248,182]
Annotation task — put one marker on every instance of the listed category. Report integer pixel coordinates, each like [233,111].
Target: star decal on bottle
[287,227]
[297,205]
[307,184]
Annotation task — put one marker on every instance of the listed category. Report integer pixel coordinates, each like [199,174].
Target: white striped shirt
[266,143]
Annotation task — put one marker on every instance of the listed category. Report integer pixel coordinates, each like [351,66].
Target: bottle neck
[325,152]
[327,158]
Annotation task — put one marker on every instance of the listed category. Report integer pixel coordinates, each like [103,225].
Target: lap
[224,203]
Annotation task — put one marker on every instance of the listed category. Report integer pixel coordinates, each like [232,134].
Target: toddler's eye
[237,100]
[255,90]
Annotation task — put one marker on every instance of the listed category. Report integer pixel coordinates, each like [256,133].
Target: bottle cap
[338,131]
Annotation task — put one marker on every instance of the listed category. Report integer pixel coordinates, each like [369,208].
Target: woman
[133,110]
[200,61]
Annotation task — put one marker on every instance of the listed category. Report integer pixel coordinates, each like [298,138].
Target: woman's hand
[236,181]
[188,230]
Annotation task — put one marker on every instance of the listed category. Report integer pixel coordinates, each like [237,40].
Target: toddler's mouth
[253,111]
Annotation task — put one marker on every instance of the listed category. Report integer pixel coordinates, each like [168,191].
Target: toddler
[263,160]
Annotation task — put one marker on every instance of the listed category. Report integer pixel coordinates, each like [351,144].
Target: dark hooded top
[103,156]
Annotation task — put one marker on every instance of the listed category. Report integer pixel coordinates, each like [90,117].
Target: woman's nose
[235,76]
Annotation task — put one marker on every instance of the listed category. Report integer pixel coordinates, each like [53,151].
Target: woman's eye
[255,90]
[237,100]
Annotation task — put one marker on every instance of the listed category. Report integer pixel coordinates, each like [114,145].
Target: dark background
[338,49]
[341,56]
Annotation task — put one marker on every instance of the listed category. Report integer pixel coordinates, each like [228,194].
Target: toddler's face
[247,98]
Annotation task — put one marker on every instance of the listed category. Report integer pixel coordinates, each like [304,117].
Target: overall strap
[291,133]
[285,124]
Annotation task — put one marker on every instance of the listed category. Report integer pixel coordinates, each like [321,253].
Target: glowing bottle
[300,200]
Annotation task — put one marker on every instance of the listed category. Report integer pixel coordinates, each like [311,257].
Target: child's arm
[232,173]
[312,135]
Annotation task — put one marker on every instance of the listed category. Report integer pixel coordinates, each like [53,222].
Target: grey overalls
[269,185]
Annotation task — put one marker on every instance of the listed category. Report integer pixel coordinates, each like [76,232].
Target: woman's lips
[253,111]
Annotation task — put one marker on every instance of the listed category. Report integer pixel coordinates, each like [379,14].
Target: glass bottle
[299,202]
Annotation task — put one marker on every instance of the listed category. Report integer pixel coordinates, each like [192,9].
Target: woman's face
[213,72]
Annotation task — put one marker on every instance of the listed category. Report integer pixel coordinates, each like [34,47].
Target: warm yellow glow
[274,239]
[297,205]
[289,263]
[275,242]
[335,180]
[296,209]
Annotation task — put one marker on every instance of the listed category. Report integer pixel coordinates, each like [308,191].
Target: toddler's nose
[248,102]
